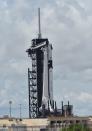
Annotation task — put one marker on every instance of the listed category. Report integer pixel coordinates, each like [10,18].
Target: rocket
[47,94]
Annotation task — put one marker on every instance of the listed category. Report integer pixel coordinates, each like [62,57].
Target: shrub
[75,127]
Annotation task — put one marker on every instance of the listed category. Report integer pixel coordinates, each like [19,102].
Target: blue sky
[68,26]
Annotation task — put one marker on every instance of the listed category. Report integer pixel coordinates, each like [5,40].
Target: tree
[76,127]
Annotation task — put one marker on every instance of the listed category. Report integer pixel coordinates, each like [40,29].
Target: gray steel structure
[40,78]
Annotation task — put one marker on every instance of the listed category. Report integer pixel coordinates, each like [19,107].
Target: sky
[68,26]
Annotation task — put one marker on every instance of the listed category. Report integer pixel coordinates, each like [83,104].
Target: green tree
[75,127]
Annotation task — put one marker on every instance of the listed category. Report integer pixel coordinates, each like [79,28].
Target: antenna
[39,24]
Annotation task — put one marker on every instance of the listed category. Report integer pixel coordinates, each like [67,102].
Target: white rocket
[47,94]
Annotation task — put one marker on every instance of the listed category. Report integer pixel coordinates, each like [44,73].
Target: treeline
[76,127]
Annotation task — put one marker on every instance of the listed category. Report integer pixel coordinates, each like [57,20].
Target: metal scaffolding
[32,86]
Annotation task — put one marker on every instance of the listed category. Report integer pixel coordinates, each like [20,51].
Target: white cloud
[85,97]
[67,24]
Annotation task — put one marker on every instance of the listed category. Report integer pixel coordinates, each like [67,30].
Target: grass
[76,127]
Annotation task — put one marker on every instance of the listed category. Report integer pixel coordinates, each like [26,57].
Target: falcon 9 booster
[40,79]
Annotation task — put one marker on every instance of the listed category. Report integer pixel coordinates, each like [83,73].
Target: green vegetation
[75,127]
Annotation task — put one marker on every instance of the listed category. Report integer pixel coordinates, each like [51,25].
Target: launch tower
[40,78]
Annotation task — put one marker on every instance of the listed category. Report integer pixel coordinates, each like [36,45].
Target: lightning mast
[39,24]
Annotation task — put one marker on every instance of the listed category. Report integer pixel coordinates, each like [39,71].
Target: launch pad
[40,80]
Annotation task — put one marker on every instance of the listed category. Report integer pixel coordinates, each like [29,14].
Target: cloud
[67,24]
[85,97]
